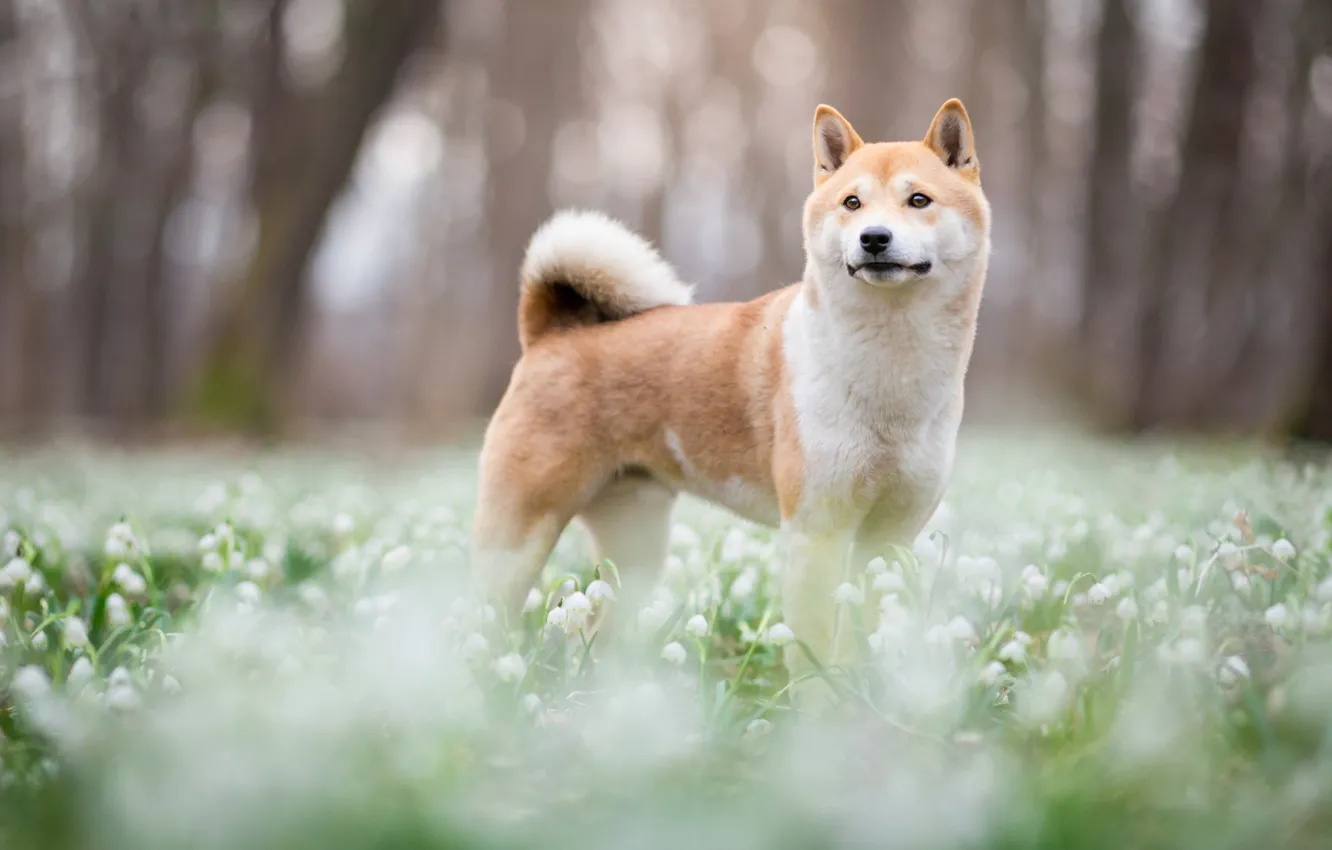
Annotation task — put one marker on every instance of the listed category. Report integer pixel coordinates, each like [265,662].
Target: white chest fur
[877,397]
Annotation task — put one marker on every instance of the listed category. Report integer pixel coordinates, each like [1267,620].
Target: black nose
[875,239]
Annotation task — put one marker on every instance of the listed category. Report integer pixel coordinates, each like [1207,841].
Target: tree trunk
[1194,244]
[15,289]
[310,144]
[546,36]
[1113,239]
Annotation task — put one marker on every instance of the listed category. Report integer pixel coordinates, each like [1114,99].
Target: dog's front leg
[816,562]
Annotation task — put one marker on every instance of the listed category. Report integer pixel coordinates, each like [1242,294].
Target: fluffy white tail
[583,268]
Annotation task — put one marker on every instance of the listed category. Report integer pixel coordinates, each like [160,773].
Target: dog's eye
[919,201]
[851,202]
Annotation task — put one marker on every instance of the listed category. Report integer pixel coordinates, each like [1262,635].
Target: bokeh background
[274,216]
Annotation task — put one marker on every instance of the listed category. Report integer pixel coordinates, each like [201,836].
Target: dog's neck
[896,353]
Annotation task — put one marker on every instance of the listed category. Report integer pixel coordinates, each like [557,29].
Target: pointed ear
[834,141]
[951,138]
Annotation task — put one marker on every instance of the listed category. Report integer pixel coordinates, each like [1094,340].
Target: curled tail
[583,268]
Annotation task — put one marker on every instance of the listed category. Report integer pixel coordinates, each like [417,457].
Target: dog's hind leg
[629,521]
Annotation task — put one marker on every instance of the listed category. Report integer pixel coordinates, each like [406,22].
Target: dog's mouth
[888,269]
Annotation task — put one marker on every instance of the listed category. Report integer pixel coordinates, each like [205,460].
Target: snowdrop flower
[115,547]
[877,566]
[10,547]
[34,585]
[1232,670]
[733,546]
[1127,609]
[684,537]
[558,618]
[31,682]
[1313,620]
[39,641]
[743,586]
[578,605]
[889,582]
[600,591]
[1060,588]
[960,628]
[848,594]
[1229,555]
[119,678]
[1022,637]
[1013,651]
[1239,581]
[1160,612]
[780,634]
[1063,646]
[311,594]
[476,644]
[1324,590]
[133,583]
[992,673]
[17,571]
[76,633]
[257,569]
[212,562]
[1283,550]
[343,525]
[674,653]
[1276,616]
[758,727]
[207,543]
[248,592]
[534,601]
[396,559]
[697,626]
[1194,620]
[1184,554]
[117,612]
[531,703]
[1034,582]
[511,667]
[1098,593]
[81,672]
[123,698]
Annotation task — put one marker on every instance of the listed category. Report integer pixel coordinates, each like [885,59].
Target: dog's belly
[751,501]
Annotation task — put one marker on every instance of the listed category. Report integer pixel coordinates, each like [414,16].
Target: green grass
[1091,646]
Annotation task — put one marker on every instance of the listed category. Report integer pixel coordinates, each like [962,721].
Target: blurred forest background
[261,214]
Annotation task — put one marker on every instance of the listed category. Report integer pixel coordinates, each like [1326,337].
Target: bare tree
[14,290]
[306,145]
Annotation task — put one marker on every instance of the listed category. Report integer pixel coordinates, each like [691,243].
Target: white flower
[120,677]
[697,626]
[1185,651]
[115,547]
[1276,616]
[577,602]
[17,571]
[743,586]
[848,594]
[1324,590]
[476,644]
[207,543]
[757,727]
[39,641]
[1183,554]
[889,582]
[343,525]
[1283,549]
[780,634]
[674,653]
[1064,646]
[1232,670]
[1160,612]
[1034,581]
[683,537]
[76,632]
[31,682]
[558,617]
[312,594]
[511,667]
[992,672]
[1022,637]
[170,684]
[600,591]
[122,698]
[960,628]
[1013,651]
[248,592]
[396,559]
[121,531]
[212,562]
[1239,581]
[1098,593]
[133,584]
[9,548]
[81,672]
[531,703]
[117,612]
[877,566]
[257,569]
[1127,609]
[1193,620]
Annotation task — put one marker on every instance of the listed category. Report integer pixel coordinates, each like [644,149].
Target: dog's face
[896,215]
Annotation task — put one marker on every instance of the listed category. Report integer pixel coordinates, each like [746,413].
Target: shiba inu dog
[830,407]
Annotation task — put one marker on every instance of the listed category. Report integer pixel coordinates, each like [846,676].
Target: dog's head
[896,215]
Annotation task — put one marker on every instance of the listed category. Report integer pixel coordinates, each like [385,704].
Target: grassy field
[1091,646]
